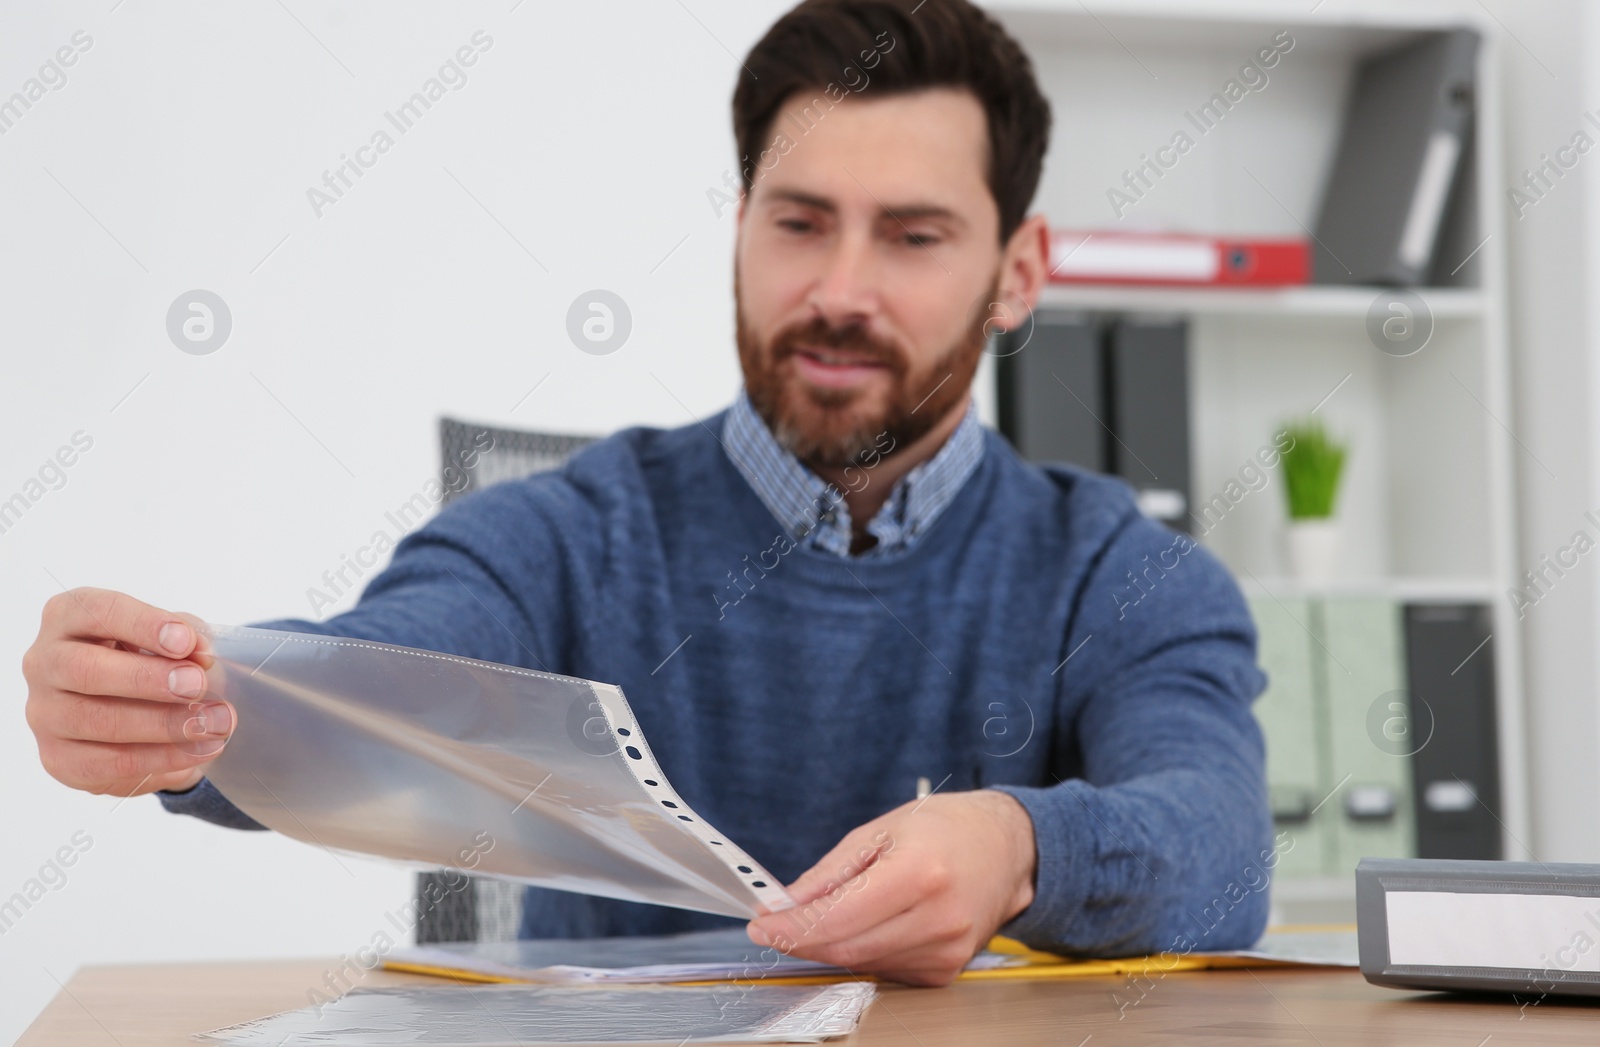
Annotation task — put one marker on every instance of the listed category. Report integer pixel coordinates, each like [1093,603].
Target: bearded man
[864,587]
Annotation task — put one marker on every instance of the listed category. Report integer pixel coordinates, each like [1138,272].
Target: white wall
[1550,82]
[178,156]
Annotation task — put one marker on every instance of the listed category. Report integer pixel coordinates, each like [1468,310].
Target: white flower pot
[1314,550]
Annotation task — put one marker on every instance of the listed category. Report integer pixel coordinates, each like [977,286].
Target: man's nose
[846,290]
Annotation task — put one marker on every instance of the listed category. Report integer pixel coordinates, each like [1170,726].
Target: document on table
[439,761]
[1327,946]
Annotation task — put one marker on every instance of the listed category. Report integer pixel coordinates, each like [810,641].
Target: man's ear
[1025,266]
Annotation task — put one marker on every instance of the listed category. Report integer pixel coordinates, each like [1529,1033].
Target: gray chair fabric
[484,454]
[473,457]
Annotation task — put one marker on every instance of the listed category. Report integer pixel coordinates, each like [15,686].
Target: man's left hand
[911,896]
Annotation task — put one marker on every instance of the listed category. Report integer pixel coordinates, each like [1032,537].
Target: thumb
[200,654]
[838,869]
[858,851]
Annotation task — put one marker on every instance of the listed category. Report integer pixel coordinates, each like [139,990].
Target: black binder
[1111,397]
[1406,129]
[1456,772]
[1050,385]
[1148,365]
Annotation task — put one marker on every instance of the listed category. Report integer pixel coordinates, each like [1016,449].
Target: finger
[859,850]
[848,908]
[86,668]
[177,781]
[102,766]
[920,976]
[931,961]
[89,718]
[897,934]
[200,629]
[103,614]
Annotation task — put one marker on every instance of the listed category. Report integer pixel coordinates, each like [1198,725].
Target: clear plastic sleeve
[521,1016]
[439,761]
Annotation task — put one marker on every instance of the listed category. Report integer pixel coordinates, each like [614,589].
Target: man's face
[866,248]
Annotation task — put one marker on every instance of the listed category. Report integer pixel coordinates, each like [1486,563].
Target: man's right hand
[113,695]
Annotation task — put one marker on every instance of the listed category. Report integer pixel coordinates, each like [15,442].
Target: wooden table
[160,1005]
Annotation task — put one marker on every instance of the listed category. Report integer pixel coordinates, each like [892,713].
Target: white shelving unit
[1427,502]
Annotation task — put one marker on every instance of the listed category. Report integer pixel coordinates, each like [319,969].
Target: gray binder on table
[1527,928]
[1405,133]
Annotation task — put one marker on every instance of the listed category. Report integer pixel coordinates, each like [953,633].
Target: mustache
[851,338]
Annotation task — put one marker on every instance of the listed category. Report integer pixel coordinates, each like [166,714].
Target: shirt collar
[813,511]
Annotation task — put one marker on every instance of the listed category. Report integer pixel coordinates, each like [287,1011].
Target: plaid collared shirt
[814,513]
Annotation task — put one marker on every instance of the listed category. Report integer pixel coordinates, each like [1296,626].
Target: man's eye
[919,240]
[795,225]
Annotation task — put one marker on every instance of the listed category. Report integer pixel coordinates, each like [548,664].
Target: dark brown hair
[946,43]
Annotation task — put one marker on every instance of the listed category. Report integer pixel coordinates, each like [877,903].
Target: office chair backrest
[474,457]
[483,454]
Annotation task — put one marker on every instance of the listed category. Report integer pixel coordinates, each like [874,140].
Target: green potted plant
[1313,465]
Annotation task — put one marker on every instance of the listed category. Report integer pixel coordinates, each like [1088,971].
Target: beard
[833,428]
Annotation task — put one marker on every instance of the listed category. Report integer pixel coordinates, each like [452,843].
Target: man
[863,587]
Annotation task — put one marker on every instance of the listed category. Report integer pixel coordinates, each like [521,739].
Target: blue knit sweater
[1041,637]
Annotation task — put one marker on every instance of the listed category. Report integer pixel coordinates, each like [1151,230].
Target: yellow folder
[1035,965]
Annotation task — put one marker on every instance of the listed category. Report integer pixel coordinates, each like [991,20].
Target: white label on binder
[1161,503]
[1450,797]
[1427,200]
[1155,258]
[1541,932]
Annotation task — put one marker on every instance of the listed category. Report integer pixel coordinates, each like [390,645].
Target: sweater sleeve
[1156,835]
[482,579]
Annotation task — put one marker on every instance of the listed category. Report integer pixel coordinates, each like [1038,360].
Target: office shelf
[1442,302]
[1428,503]
[1404,590]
